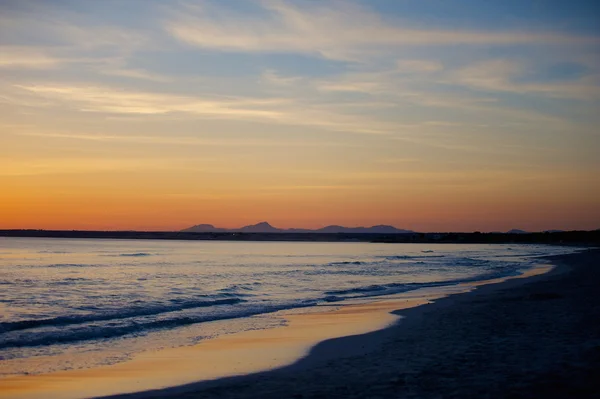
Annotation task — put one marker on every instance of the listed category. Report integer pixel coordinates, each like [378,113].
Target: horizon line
[311,231]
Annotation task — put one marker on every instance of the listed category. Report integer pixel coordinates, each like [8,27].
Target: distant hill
[517,231]
[262,227]
[265,227]
[380,229]
[205,228]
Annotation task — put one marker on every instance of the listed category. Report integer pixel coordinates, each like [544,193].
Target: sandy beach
[523,338]
[536,335]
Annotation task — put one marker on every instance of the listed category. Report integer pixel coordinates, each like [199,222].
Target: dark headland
[328,234]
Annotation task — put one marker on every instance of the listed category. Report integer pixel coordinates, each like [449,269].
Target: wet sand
[228,355]
[523,338]
[235,354]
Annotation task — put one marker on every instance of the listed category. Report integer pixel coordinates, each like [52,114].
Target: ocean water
[67,304]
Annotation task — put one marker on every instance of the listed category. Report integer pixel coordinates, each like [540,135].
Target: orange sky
[373,115]
[129,200]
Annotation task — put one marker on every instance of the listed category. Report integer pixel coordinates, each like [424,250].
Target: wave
[396,288]
[469,262]
[95,332]
[235,289]
[370,288]
[406,257]
[127,313]
[141,321]
[346,263]
[59,265]
[131,255]
[71,281]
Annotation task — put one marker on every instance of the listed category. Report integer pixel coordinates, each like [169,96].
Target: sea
[77,303]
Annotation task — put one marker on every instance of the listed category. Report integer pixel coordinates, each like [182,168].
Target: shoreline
[375,319]
[550,238]
[338,376]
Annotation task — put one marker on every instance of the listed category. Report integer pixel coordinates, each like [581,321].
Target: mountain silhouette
[265,227]
[262,227]
[206,228]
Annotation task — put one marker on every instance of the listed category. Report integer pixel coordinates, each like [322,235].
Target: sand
[534,337]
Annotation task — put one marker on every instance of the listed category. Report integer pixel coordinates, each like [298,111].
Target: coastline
[534,337]
[558,237]
[361,336]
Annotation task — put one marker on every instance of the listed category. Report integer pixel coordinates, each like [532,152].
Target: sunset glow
[150,115]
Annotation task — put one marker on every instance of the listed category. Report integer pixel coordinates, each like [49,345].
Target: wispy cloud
[418,66]
[136,74]
[337,30]
[39,35]
[503,76]
[270,76]
[473,92]
[110,100]
[43,23]
[84,165]
[55,58]
[184,140]
[27,57]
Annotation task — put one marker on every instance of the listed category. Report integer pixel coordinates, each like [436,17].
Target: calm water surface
[68,304]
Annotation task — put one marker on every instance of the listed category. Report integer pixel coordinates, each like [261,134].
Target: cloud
[270,76]
[398,88]
[335,29]
[418,66]
[12,167]
[27,57]
[472,92]
[135,74]
[507,76]
[42,36]
[359,82]
[102,99]
[110,100]
[36,57]
[182,140]
[44,23]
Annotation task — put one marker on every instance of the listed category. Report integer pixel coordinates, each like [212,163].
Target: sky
[430,115]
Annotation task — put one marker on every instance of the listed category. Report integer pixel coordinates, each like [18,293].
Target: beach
[524,338]
[533,335]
